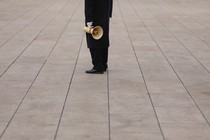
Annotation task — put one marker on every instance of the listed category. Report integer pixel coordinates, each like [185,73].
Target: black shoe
[104,70]
[94,71]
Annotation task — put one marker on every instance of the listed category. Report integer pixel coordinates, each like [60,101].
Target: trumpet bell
[96,32]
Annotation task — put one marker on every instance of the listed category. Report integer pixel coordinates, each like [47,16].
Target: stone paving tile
[13,134]
[179,115]
[34,122]
[174,99]
[2,126]
[82,113]
[206,111]
[81,131]
[186,131]
[143,136]
[133,127]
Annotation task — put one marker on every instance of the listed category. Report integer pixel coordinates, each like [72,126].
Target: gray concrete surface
[157,86]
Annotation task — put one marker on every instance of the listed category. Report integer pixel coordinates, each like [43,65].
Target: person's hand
[90,24]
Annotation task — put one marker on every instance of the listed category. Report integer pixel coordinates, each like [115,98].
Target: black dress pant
[99,58]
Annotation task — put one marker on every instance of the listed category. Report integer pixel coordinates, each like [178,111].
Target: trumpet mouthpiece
[87,29]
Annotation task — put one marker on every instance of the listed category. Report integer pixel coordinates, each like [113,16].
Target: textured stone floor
[157,86]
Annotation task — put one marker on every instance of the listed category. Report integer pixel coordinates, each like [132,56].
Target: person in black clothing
[98,13]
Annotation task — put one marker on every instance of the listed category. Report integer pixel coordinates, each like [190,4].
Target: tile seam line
[70,81]
[175,72]
[182,44]
[34,78]
[29,45]
[45,9]
[37,5]
[186,123]
[68,91]
[108,97]
[148,93]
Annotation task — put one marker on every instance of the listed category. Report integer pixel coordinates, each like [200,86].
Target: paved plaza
[157,86]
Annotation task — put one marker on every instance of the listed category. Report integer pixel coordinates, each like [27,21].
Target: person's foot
[94,71]
[105,69]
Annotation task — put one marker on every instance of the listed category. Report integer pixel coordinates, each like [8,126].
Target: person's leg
[105,58]
[92,52]
[100,58]
[97,61]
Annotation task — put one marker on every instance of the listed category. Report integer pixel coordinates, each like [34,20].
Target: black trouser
[99,58]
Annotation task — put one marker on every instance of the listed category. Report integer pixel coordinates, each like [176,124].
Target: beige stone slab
[144,116]
[199,88]
[200,92]
[186,131]
[205,111]
[143,41]
[80,131]
[41,106]
[179,115]
[6,112]
[86,113]
[13,134]
[47,91]
[29,125]
[203,101]
[79,137]
[19,73]
[160,76]
[172,98]
[34,122]
[130,105]
[133,123]
[131,136]
[97,97]
[151,55]
[7,104]
[8,98]
[165,87]
[2,126]
[12,87]
[122,90]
